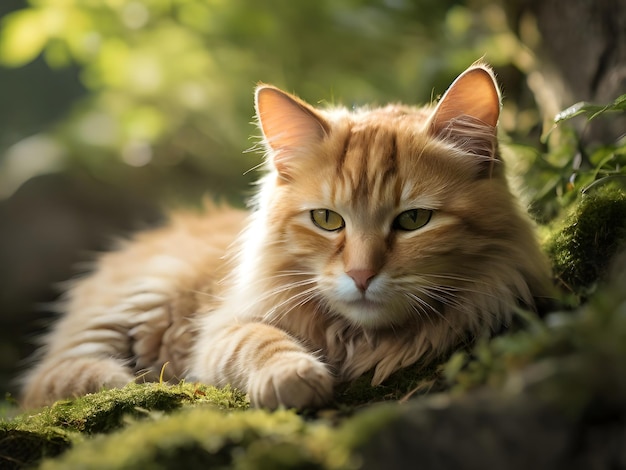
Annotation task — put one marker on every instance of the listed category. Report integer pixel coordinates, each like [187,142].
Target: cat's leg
[264,361]
[51,381]
[104,336]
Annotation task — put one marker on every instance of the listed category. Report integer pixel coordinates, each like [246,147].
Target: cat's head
[387,214]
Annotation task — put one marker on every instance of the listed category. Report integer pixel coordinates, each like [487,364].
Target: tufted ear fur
[288,124]
[467,114]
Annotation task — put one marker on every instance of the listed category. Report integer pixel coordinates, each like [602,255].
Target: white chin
[366,313]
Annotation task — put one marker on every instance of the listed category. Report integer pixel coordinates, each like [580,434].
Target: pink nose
[362,277]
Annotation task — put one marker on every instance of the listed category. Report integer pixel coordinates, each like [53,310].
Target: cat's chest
[348,350]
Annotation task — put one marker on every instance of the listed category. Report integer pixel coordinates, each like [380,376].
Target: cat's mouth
[372,310]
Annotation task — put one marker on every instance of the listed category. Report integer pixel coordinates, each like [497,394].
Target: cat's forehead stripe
[368,163]
[342,158]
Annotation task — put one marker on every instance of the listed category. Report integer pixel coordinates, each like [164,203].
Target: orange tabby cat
[378,237]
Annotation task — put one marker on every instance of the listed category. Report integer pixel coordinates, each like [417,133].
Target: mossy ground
[50,431]
[571,362]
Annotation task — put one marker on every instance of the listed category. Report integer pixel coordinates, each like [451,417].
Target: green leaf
[590,110]
[24,35]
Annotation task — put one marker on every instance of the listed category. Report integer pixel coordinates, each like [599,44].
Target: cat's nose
[362,277]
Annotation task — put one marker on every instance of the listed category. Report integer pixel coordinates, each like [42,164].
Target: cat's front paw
[302,383]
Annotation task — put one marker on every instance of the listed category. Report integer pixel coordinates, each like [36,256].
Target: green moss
[31,436]
[208,438]
[204,437]
[21,448]
[594,232]
[105,411]
[152,426]
[358,430]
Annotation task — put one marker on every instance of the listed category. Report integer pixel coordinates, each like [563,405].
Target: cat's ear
[468,112]
[288,125]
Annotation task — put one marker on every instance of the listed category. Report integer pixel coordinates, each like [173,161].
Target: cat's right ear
[288,125]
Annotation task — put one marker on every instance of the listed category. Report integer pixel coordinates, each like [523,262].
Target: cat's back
[187,251]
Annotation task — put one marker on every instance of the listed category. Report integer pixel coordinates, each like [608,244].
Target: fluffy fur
[378,238]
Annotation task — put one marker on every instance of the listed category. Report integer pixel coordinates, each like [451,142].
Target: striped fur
[291,309]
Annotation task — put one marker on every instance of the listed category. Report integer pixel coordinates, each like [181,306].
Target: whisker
[452,277]
[422,307]
[278,292]
[298,299]
[456,288]
[437,313]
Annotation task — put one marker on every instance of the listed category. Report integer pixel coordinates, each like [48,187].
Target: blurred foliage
[169,86]
[570,166]
[169,82]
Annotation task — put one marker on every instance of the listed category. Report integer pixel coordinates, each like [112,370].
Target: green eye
[327,220]
[412,219]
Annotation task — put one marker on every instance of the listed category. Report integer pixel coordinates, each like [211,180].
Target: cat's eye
[327,220]
[412,219]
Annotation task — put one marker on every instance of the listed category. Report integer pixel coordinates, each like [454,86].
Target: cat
[378,238]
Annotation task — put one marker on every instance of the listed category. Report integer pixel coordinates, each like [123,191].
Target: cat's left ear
[468,112]
[288,124]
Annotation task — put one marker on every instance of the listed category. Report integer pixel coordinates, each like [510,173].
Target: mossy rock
[179,430]
[51,430]
[589,239]
[19,448]
[156,425]
[204,437]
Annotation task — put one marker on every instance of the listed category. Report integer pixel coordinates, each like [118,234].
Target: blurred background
[112,110]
